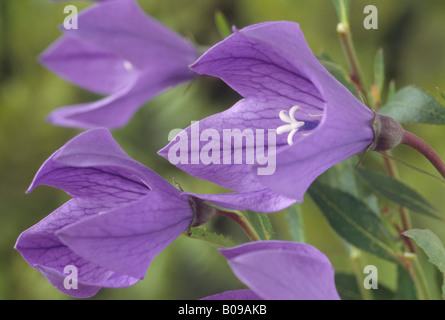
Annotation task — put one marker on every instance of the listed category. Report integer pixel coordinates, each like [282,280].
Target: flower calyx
[388,133]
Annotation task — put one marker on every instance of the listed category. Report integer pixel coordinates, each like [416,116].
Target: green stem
[355,257]
[345,35]
[411,257]
[239,218]
[416,271]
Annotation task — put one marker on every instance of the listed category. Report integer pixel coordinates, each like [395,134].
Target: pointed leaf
[217,240]
[379,71]
[222,24]
[261,223]
[294,216]
[342,8]
[413,105]
[344,176]
[347,288]
[398,192]
[391,89]
[406,290]
[433,248]
[352,219]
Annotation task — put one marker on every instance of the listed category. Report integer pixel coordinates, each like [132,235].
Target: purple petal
[124,29]
[279,270]
[88,66]
[345,130]
[126,239]
[123,215]
[262,201]
[121,51]
[254,120]
[272,66]
[43,250]
[234,173]
[93,165]
[57,279]
[270,62]
[234,295]
[116,110]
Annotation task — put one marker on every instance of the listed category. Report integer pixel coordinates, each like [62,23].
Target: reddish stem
[241,221]
[415,142]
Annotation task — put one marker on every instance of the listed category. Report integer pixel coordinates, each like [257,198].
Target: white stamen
[293,124]
[128,65]
[284,117]
[290,137]
[285,128]
[292,112]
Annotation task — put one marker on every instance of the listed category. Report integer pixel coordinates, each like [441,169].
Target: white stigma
[293,124]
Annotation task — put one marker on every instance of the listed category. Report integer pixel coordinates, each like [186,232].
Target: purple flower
[287,92]
[118,51]
[121,216]
[280,270]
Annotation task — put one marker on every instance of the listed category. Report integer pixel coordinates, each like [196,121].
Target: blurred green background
[411,33]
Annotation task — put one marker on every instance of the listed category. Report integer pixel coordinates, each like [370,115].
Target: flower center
[292,126]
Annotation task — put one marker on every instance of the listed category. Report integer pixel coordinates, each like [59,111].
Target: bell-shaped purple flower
[280,270]
[117,51]
[121,216]
[295,121]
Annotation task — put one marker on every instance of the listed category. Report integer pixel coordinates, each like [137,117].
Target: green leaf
[353,220]
[440,179]
[391,89]
[379,71]
[261,223]
[413,105]
[433,248]
[342,8]
[347,288]
[294,217]
[214,239]
[406,290]
[222,24]
[344,176]
[399,193]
